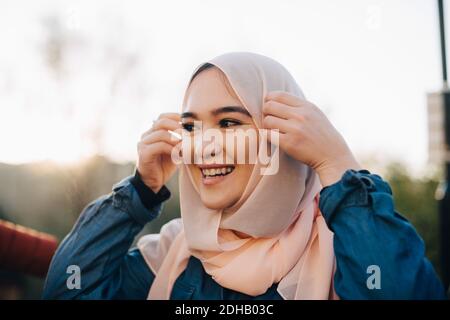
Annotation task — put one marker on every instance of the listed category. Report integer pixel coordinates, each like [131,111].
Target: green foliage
[415,199]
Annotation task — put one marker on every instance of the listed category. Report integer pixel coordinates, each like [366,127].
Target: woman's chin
[216,201]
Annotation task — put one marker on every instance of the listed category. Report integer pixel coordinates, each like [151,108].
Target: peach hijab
[289,242]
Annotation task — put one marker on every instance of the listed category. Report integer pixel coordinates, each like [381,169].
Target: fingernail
[175,134]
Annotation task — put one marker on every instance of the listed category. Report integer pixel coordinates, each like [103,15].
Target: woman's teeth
[217,171]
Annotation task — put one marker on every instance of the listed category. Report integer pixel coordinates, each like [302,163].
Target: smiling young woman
[311,230]
[211,101]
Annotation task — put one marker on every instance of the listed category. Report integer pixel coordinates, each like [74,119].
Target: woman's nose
[209,150]
[212,149]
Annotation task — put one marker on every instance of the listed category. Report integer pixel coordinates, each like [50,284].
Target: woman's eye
[226,123]
[188,126]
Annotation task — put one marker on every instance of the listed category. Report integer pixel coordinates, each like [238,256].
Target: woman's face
[211,100]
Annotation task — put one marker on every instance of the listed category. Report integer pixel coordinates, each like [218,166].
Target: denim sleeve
[379,255]
[98,247]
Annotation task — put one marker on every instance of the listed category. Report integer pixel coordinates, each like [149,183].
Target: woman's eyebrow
[189,115]
[231,109]
[218,111]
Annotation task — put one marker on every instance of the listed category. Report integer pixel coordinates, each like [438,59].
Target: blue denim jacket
[359,209]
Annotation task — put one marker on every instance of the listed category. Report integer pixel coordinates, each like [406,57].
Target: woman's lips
[215,174]
[207,181]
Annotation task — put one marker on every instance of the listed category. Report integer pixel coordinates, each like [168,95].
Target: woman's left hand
[307,135]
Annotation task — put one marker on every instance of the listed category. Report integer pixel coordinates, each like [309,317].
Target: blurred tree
[414,199]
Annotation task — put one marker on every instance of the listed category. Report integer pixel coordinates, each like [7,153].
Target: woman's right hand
[155,165]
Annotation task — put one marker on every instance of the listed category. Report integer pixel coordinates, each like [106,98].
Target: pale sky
[368,64]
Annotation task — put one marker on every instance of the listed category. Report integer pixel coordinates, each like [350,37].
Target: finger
[178,133]
[283,125]
[160,135]
[170,115]
[280,110]
[157,148]
[285,143]
[272,137]
[286,98]
[279,141]
[165,124]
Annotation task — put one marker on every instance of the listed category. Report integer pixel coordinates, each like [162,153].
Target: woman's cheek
[242,176]
[187,149]
[242,146]
[195,173]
